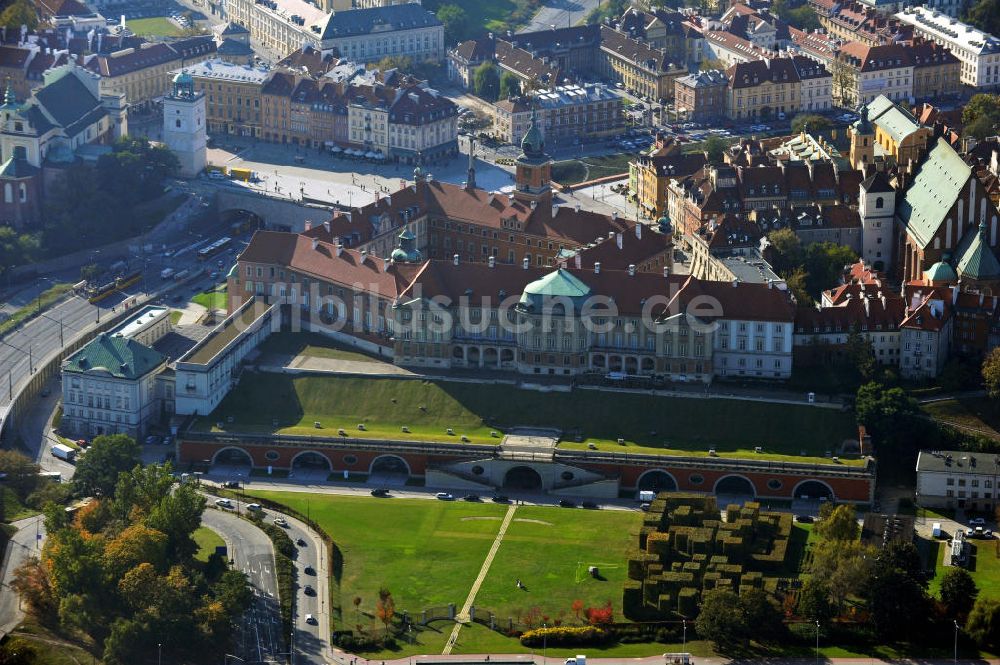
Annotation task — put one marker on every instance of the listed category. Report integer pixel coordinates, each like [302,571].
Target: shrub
[567,636]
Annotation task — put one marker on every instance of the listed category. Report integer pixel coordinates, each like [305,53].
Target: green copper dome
[560,284]
[664,223]
[941,272]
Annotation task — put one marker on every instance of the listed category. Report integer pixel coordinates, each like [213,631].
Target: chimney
[385,264]
[666,271]
[614,215]
[525,263]
[577,207]
[578,260]
[611,235]
[555,210]
[492,261]
[340,247]
[770,284]
[309,225]
[597,267]
[631,270]
[638,231]
[326,226]
[315,243]
[619,239]
[454,259]
[736,283]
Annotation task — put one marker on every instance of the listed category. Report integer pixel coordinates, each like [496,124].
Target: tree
[983,624]
[357,609]
[385,608]
[20,12]
[810,122]
[97,471]
[178,514]
[843,567]
[21,472]
[797,14]
[814,601]
[762,614]
[90,272]
[824,263]
[510,85]
[885,412]
[721,620]
[233,591]
[714,148]
[486,82]
[904,558]
[577,607]
[958,592]
[840,524]
[898,605]
[31,581]
[991,373]
[786,250]
[861,355]
[136,544]
[983,14]
[981,115]
[455,22]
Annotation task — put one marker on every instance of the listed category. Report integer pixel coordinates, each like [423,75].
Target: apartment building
[567,114]
[863,72]
[958,479]
[978,52]
[937,73]
[641,69]
[762,89]
[232,96]
[368,35]
[701,97]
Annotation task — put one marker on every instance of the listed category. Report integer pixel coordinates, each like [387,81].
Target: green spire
[8,96]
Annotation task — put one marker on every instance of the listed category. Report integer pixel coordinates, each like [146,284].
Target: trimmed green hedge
[284,551]
[569,636]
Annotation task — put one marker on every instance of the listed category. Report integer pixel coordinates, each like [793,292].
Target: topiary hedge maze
[685,548]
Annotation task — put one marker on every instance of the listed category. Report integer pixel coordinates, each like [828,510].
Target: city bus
[213,249]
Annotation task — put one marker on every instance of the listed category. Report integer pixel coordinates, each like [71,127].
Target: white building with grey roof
[957,479]
[978,51]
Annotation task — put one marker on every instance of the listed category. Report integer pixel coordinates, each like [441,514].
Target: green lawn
[574,171]
[428,553]
[647,423]
[175,316]
[313,345]
[215,299]
[977,413]
[207,541]
[158,26]
[490,15]
[984,567]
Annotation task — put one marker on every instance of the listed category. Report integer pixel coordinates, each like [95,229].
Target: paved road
[311,640]
[250,550]
[25,544]
[561,14]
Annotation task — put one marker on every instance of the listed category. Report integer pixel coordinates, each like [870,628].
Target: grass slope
[979,414]
[648,423]
[312,345]
[213,299]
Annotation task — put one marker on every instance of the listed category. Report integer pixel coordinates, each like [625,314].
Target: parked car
[804,519]
[280,521]
[977,521]
[471,497]
[500,498]
[231,484]
[254,507]
[152,440]
[300,542]
[444,496]
[589,504]
[310,619]
[308,590]
[380,491]
[309,570]
[566,503]
[224,503]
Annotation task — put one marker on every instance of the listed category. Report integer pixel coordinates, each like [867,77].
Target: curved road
[259,635]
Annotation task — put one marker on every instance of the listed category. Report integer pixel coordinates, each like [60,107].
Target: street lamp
[545,643]
[60,322]
[159,653]
[817,641]
[955,657]
[685,638]
[31,364]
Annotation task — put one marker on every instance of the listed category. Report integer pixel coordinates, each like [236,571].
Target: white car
[280,521]
[254,507]
[310,619]
[224,503]
[977,521]
[444,496]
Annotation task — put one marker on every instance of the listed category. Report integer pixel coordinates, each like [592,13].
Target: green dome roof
[558,284]
[184,78]
[941,272]
[399,255]
[664,223]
